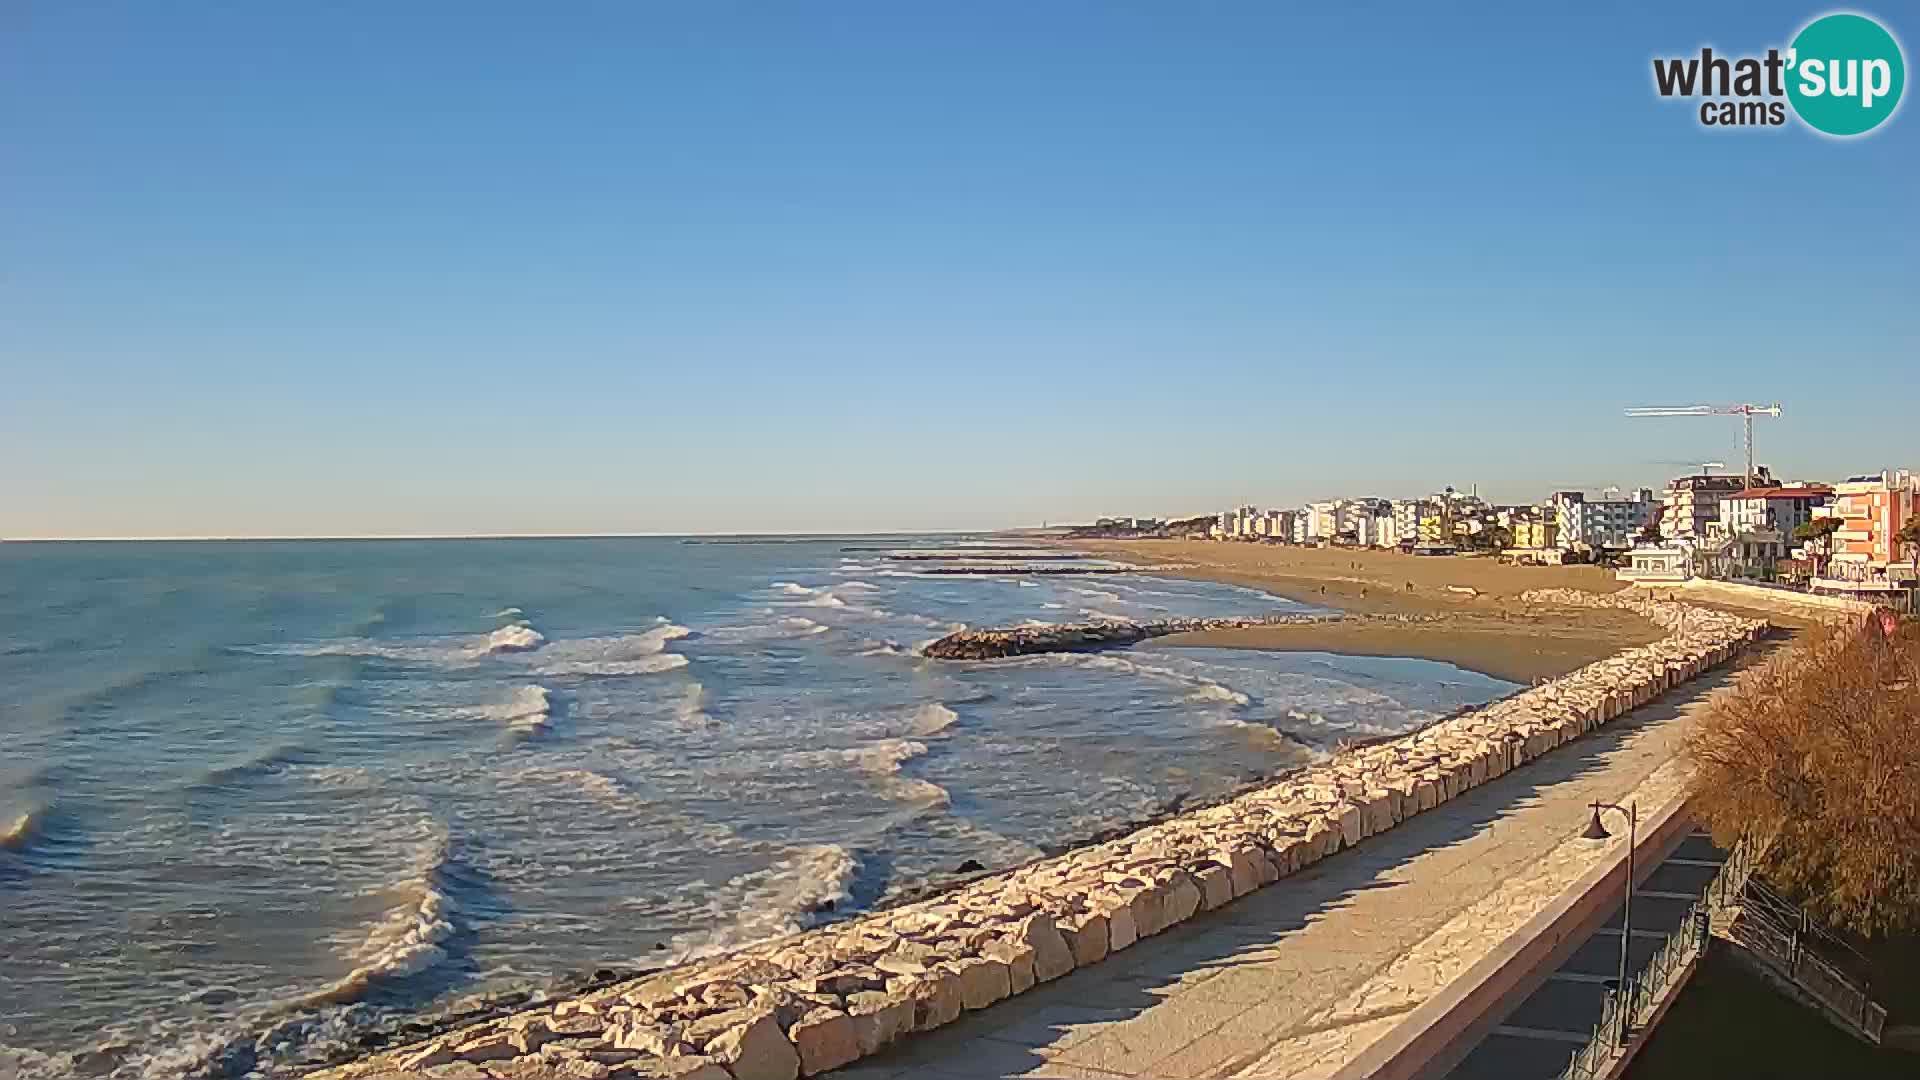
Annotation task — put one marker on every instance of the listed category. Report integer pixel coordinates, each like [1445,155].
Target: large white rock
[757,1050]
[825,1039]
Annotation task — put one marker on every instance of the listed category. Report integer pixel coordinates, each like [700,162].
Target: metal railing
[1826,968]
[1628,1007]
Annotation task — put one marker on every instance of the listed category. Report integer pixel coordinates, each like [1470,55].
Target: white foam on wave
[1204,689]
[857,585]
[508,613]
[528,712]
[781,899]
[626,654]
[519,637]
[885,757]
[599,785]
[411,937]
[691,710]
[335,776]
[931,719]
[801,625]
[265,760]
[1213,691]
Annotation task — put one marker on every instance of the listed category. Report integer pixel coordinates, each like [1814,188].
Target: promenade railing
[1628,1008]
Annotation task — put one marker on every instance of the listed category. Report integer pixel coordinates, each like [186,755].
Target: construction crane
[1746,413]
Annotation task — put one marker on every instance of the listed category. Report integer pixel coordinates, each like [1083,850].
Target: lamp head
[1595,830]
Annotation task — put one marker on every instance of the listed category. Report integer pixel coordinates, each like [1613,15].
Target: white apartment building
[1783,508]
[1323,519]
[1602,522]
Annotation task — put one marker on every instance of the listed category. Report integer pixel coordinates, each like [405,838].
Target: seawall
[815,1001]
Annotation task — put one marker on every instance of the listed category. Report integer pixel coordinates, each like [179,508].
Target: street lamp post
[1598,831]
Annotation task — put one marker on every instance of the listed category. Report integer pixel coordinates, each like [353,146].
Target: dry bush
[1820,747]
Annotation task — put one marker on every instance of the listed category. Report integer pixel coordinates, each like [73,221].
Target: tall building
[1691,502]
[1871,509]
[1406,518]
[1605,522]
[1323,519]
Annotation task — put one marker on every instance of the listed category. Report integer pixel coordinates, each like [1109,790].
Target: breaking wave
[528,712]
[411,938]
[784,898]
[628,654]
[264,762]
[932,719]
[516,638]
[885,757]
[1204,689]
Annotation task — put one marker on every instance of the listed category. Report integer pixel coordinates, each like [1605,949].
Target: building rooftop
[1782,492]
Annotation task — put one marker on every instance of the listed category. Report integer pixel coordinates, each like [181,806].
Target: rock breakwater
[816,1001]
[996,644]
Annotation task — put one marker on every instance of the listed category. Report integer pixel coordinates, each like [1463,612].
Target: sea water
[259,798]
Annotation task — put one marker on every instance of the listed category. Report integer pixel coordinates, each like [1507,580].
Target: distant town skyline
[496,269]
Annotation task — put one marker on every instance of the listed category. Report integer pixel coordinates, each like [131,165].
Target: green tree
[1650,532]
[1909,535]
[1817,534]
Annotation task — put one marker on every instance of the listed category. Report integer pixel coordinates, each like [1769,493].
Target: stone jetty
[806,1004]
[996,644]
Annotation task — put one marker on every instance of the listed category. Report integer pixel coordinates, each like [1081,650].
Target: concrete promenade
[1297,980]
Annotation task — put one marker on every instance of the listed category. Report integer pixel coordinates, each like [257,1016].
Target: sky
[442,268]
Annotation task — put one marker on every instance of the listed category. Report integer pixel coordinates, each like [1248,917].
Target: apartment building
[1406,518]
[1871,509]
[1690,503]
[1783,508]
[1609,521]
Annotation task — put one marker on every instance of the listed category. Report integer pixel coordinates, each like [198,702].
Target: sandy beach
[1482,626]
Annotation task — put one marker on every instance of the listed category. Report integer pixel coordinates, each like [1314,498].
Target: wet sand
[1485,630]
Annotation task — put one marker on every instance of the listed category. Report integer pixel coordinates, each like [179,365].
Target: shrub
[1820,747]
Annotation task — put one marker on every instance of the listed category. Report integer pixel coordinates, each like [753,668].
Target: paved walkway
[1295,979]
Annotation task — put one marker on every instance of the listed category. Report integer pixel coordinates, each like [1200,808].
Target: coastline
[810,1003]
[1488,629]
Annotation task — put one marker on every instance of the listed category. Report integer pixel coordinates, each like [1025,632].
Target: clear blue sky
[422,268]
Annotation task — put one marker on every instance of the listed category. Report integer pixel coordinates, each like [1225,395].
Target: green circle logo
[1845,74]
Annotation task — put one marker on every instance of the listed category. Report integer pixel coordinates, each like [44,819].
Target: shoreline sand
[1486,629]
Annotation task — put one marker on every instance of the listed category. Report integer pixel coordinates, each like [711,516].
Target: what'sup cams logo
[1842,76]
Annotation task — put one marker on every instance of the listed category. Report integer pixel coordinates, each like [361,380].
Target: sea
[263,802]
